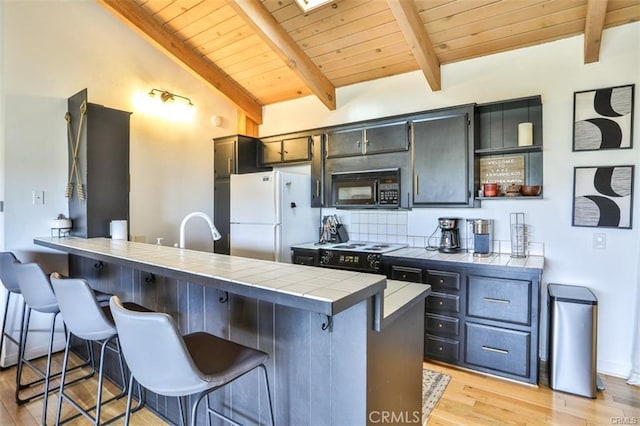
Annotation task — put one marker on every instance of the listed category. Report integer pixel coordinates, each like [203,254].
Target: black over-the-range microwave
[366,188]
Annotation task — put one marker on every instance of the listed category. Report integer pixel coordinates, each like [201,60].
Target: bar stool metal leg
[104,345]
[5,336]
[44,375]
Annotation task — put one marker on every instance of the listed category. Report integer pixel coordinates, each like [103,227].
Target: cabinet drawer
[498,348]
[441,348]
[404,273]
[441,302]
[500,299]
[441,325]
[442,280]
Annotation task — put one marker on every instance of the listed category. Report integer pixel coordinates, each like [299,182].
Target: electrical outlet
[38,197]
[599,241]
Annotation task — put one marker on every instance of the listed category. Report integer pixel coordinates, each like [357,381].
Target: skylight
[309,5]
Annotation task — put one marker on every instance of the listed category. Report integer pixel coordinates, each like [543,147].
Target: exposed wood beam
[272,33]
[414,32]
[246,126]
[594,23]
[134,16]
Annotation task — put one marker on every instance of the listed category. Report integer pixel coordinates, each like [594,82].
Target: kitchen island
[337,356]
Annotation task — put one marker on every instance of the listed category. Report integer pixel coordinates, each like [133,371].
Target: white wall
[555,71]
[54,49]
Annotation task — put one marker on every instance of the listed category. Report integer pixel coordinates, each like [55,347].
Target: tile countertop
[529,262]
[322,290]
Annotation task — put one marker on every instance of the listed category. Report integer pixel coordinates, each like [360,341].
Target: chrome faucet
[214,232]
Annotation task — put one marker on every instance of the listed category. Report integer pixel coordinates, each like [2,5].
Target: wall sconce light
[164,104]
[166,96]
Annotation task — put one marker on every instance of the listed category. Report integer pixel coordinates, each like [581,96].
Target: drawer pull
[441,281]
[440,325]
[490,349]
[441,303]
[491,299]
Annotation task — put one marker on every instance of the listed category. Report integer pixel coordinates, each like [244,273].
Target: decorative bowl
[530,190]
[513,188]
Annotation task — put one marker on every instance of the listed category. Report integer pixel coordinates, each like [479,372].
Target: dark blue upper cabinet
[443,166]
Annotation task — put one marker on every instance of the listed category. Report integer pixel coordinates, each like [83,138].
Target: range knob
[325,256]
[375,261]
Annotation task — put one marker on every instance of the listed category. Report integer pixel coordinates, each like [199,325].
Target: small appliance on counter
[482,237]
[449,235]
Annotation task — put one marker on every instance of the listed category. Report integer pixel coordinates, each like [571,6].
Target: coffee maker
[449,235]
[482,237]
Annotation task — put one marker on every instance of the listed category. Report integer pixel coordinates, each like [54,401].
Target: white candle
[525,134]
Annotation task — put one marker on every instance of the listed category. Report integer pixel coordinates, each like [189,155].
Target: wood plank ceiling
[257,53]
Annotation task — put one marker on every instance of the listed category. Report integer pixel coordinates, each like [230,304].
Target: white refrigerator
[270,211]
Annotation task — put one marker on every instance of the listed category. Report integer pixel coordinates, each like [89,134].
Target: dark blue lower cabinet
[480,317]
[441,348]
[498,349]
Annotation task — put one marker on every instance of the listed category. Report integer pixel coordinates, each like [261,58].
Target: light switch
[599,241]
[38,197]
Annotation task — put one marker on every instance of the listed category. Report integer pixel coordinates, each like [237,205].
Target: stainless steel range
[355,256]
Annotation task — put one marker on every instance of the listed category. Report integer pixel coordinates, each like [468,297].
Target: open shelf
[504,197]
[498,140]
[509,150]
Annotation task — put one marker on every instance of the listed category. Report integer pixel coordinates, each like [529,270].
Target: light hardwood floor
[475,399]
[84,391]
[470,399]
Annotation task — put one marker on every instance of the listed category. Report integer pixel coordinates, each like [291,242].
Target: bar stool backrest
[155,351]
[35,287]
[7,275]
[81,312]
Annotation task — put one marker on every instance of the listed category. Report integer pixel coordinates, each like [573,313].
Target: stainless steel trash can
[573,319]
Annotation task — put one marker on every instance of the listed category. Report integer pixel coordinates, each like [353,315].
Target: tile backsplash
[391,226]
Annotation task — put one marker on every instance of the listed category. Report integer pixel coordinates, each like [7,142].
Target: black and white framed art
[603,196]
[603,118]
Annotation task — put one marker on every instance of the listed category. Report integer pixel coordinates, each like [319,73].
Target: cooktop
[363,246]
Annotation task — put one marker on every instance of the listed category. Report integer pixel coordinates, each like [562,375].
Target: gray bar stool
[86,319]
[38,296]
[196,364]
[8,278]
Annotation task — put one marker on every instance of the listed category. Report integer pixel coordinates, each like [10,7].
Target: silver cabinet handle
[317,188]
[229,160]
[492,300]
[499,351]
[415,184]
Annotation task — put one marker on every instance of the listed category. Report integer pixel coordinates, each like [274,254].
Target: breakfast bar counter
[343,346]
